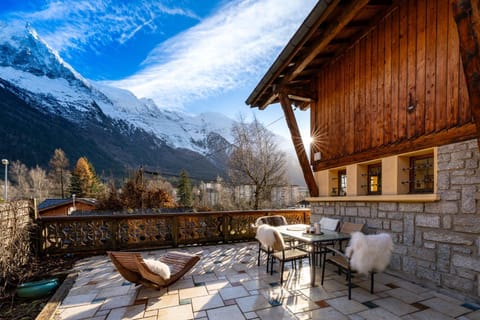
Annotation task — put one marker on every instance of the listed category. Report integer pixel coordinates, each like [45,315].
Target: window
[421,174]
[375,179]
[342,182]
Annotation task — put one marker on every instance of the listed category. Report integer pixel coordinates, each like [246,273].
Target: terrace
[227,283]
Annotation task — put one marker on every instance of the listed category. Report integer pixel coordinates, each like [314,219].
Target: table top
[297,231]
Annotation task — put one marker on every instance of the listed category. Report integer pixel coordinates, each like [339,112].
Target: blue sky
[190,55]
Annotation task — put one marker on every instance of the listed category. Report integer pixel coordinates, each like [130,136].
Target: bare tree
[20,187]
[59,174]
[39,183]
[256,160]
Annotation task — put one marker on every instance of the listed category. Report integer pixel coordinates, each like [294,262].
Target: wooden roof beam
[346,15]
[298,143]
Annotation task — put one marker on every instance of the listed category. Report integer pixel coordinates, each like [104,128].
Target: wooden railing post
[225,227]
[114,230]
[175,231]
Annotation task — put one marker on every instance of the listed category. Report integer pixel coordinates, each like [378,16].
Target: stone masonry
[437,244]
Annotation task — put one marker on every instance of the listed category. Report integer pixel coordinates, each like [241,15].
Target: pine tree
[84,181]
[185,190]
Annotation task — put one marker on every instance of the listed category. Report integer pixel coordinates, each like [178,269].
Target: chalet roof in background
[53,203]
[329,29]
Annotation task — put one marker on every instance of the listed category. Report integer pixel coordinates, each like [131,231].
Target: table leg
[313,268]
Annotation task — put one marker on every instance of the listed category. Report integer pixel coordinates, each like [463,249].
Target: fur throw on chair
[158,267]
[267,235]
[369,252]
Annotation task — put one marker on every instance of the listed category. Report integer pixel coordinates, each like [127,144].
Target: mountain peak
[23,49]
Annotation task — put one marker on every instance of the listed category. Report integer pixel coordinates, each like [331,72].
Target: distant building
[287,196]
[64,207]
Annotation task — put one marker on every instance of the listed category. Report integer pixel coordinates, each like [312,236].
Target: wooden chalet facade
[394,138]
[65,207]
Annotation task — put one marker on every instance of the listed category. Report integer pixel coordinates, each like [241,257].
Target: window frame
[411,188]
[370,175]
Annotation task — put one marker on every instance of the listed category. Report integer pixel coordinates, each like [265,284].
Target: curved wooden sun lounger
[131,266]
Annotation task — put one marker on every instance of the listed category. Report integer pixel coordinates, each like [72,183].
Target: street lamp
[5,163]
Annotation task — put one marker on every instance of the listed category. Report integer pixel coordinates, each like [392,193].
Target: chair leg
[271,265]
[323,266]
[349,284]
[281,273]
[259,253]
[371,282]
[268,259]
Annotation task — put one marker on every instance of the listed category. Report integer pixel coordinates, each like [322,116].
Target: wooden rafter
[332,30]
[467,18]
[298,143]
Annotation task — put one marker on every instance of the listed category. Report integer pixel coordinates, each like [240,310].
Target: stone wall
[437,244]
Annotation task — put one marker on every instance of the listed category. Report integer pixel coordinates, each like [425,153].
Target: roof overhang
[331,27]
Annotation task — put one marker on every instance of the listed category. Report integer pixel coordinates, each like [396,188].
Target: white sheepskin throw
[268,235]
[265,235]
[369,252]
[158,267]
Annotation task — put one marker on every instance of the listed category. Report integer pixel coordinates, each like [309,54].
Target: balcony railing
[100,233]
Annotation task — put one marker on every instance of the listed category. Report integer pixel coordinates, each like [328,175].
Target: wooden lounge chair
[132,267]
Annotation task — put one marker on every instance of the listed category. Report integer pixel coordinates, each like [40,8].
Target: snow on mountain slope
[28,63]
[179,130]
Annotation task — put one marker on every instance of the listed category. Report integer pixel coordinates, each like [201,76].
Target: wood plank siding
[399,88]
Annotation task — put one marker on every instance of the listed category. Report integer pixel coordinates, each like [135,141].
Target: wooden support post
[298,144]
[467,18]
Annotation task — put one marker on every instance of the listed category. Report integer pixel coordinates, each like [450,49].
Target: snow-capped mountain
[34,75]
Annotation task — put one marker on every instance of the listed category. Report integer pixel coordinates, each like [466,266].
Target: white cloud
[86,25]
[237,42]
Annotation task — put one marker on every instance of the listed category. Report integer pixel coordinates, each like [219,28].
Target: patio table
[315,241]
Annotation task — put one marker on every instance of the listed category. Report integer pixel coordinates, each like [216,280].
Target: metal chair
[284,254]
[366,254]
[275,221]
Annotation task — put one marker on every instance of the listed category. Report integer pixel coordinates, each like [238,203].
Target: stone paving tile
[255,284]
[77,300]
[405,295]
[361,295]
[446,307]
[395,306]
[346,306]
[474,315]
[118,301]
[227,284]
[117,314]
[80,312]
[134,312]
[299,303]
[323,313]
[217,285]
[429,314]
[163,302]
[229,312]
[378,314]
[233,292]
[176,313]
[252,303]
[207,302]
[192,292]
[275,313]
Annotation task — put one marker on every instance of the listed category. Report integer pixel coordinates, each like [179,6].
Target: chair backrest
[329,224]
[350,227]
[279,243]
[276,220]
[369,252]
